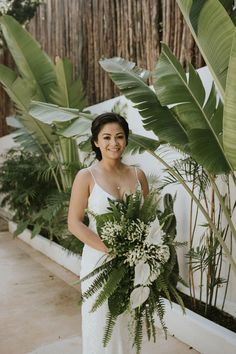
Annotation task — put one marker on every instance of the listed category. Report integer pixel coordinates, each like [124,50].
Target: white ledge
[198,332]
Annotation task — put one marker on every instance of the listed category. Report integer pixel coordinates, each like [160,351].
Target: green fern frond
[115,277]
[152,323]
[182,281]
[110,323]
[178,298]
[138,330]
[96,285]
[108,265]
[148,210]
[160,307]
[133,208]
[162,286]
[148,322]
[115,207]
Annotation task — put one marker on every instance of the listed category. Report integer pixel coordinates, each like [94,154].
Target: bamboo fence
[86,30]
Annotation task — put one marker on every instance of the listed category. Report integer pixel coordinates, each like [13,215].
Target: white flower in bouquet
[155,233]
[139,296]
[142,273]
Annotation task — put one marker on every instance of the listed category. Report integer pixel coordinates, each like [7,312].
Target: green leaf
[33,64]
[110,323]
[139,144]
[187,96]
[78,127]
[228,4]
[49,113]
[36,230]
[22,225]
[229,120]
[159,119]
[101,219]
[114,279]
[213,41]
[17,88]
[14,121]
[20,91]
[203,149]
[67,93]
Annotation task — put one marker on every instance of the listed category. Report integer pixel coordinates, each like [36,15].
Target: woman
[108,178]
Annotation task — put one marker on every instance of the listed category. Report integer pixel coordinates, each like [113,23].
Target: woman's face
[111,141]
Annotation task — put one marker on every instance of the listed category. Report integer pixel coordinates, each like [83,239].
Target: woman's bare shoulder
[140,173]
[83,177]
[143,180]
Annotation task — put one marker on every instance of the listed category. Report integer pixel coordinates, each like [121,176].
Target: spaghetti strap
[90,170]
[136,173]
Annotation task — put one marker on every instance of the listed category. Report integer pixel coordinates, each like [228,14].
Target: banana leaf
[67,93]
[201,118]
[32,63]
[213,30]
[131,81]
[229,120]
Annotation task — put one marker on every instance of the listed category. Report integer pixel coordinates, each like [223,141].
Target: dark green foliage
[22,184]
[149,208]
[97,284]
[138,330]
[23,11]
[108,265]
[31,194]
[110,323]
[197,6]
[168,219]
[115,276]
[119,301]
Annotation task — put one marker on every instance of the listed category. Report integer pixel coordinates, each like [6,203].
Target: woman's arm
[78,204]
[143,181]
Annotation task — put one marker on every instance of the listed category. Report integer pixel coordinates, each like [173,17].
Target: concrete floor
[39,306]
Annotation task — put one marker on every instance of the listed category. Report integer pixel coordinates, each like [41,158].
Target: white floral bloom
[142,273]
[154,275]
[155,233]
[139,296]
[164,253]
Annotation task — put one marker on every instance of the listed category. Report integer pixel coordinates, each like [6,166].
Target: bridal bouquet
[141,266]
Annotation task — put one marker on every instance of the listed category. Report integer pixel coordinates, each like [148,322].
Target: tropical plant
[205,256]
[194,124]
[30,192]
[172,125]
[37,78]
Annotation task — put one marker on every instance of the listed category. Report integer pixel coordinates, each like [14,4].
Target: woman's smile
[111,139]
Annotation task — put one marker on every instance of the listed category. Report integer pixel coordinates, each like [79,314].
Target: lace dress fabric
[93,323]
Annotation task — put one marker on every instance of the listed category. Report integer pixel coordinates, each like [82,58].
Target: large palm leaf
[77,124]
[20,91]
[213,30]
[33,64]
[67,93]
[201,120]
[131,82]
[229,122]
[139,144]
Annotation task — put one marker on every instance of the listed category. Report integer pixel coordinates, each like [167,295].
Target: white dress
[93,323]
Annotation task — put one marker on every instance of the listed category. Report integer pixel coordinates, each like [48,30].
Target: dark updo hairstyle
[99,123]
